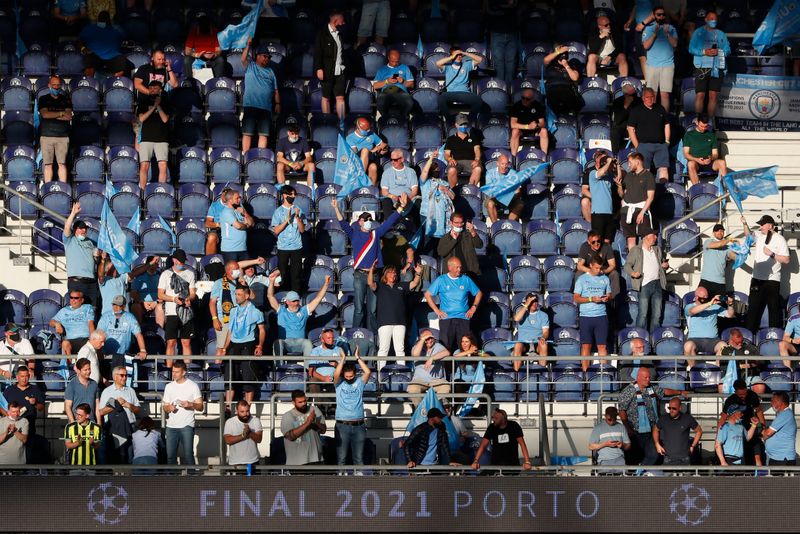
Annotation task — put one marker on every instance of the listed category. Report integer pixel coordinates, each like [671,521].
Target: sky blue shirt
[431,454]
[434,209]
[386,72]
[292,325]
[731,436]
[233,239]
[453,294]
[290,238]
[118,332]
[350,400]
[457,81]
[328,355]
[80,257]
[703,324]
[105,42]
[243,321]
[110,288]
[147,286]
[75,320]
[592,286]
[781,445]
[714,262]
[436,372]
[215,210]
[531,327]
[661,54]
[600,188]
[793,326]
[71,7]
[399,181]
[704,38]
[259,87]
[358,143]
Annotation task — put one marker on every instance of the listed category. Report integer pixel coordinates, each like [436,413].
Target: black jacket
[416,445]
[325,53]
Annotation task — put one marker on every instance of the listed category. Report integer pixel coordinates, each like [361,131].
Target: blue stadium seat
[226,165]
[189,131]
[490,157]
[628,308]
[344,273]
[505,386]
[596,95]
[395,378]
[667,341]
[565,166]
[118,94]
[494,93]
[526,274]
[223,130]
[17,93]
[365,199]
[534,54]
[534,380]
[123,164]
[325,160]
[16,205]
[155,239]
[13,307]
[562,309]
[601,379]
[574,233]
[19,163]
[85,94]
[89,164]
[507,237]
[43,304]
[683,239]
[395,130]
[532,157]
[187,98]
[705,377]
[559,272]
[262,238]
[159,200]
[323,266]
[193,165]
[792,304]
[672,310]
[426,94]
[427,130]
[687,94]
[619,83]
[701,194]
[432,55]
[768,340]
[191,234]
[35,62]
[624,337]
[495,129]
[194,200]
[56,196]
[567,202]
[259,166]
[542,237]
[92,196]
[303,200]
[360,96]
[568,382]
[468,201]
[221,95]
[49,237]
[322,207]
[263,200]
[595,130]
[126,200]
[495,311]
[325,129]
[671,201]
[778,377]
[18,128]
[537,200]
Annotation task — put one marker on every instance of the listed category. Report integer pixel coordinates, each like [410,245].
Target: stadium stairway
[27,272]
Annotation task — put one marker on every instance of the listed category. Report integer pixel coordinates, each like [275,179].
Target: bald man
[453,310]
[393,82]
[369,147]
[500,173]
[605,49]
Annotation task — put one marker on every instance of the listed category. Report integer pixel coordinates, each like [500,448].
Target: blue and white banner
[759,103]
[752,182]
[349,171]
[236,35]
[420,416]
[504,190]
[113,240]
[476,388]
[742,251]
[781,24]
[136,222]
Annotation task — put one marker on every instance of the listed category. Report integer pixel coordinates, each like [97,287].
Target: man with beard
[242,434]
[505,436]
[301,427]
[428,443]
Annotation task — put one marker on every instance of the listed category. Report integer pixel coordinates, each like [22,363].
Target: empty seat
[507,237]
[155,238]
[683,239]
[118,94]
[92,196]
[85,94]
[123,164]
[596,95]
[562,308]
[43,304]
[56,196]
[17,204]
[574,233]
[193,165]
[194,200]
[19,163]
[221,95]
[567,202]
[17,93]
[13,307]
[494,93]
[526,274]
[565,166]
[191,234]
[259,165]
[159,200]
[226,164]
[542,237]
[559,272]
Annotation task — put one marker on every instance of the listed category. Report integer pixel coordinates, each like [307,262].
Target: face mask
[235,206]
[363,132]
[179,267]
[458,229]
[81,237]
[340,28]
[55,92]
[351,380]
[463,129]
[235,274]
[244,419]
[294,139]
[368,225]
[15,338]
[712,23]
[101,24]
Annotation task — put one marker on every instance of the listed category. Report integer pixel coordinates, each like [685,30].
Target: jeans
[676,460]
[217,65]
[183,438]
[392,333]
[290,265]
[403,101]
[504,55]
[284,346]
[350,438]
[650,297]
[644,444]
[447,99]
[364,296]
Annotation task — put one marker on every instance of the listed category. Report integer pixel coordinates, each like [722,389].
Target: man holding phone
[592,292]
[609,439]
[393,82]
[701,317]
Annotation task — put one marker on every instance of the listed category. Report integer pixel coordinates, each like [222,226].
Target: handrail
[691,214]
[57,216]
[544,441]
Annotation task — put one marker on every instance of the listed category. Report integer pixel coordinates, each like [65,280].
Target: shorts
[516,206]
[464,166]
[236,255]
[221,335]
[660,78]
[78,343]
[605,225]
[148,148]
[704,82]
[704,344]
[173,329]
[714,288]
[593,330]
[657,153]
[115,64]
[636,230]
[54,149]
[333,87]
[256,121]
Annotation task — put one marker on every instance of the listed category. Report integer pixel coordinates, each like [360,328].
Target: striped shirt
[84,454]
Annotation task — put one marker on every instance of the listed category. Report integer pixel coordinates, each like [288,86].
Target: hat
[462,119]
[732,409]
[291,296]
[11,327]
[718,227]
[766,219]
[435,412]
[179,255]
[263,48]
[79,224]
[119,300]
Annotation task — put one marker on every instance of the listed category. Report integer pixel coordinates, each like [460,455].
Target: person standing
[118,408]
[609,439]
[234,221]
[453,289]
[649,131]
[770,253]
[242,434]
[301,427]
[81,389]
[671,435]
[716,254]
[157,70]
[637,189]
[82,437]
[391,296]
[595,246]
[731,439]
[646,266]
[176,290]
[120,328]
[462,242]
[154,117]
[80,254]
[710,48]
[502,21]
[13,436]
[505,437]
[659,39]
[245,337]
[748,403]
[260,91]
[289,224]
[55,110]
[428,443]
[182,398]
[780,437]
[374,14]
[598,188]
[592,292]
[351,430]
[329,64]
[436,205]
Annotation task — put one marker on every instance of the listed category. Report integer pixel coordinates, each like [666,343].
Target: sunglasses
[594,242]
[673,409]
[122,374]
[397,159]
[73,297]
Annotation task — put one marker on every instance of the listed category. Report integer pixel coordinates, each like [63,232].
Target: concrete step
[19,273]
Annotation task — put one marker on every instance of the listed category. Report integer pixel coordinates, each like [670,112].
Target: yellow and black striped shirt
[84,454]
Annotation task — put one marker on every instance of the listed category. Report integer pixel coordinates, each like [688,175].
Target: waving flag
[503,190]
[730,377]
[114,241]
[349,171]
[136,222]
[781,23]
[420,416]
[756,182]
[168,228]
[742,251]
[110,190]
[476,388]
[550,116]
[237,35]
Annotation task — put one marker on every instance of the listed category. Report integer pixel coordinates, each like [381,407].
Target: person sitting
[393,82]
[202,47]
[292,317]
[431,373]
[533,329]
[462,151]
[456,68]
[528,120]
[369,147]
[605,49]
[562,77]
[701,150]
[294,155]
[74,323]
[102,47]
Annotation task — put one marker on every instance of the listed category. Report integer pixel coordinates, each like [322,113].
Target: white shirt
[174,393]
[87,351]
[245,452]
[764,266]
[164,283]
[22,347]
[112,392]
[339,65]
[649,266]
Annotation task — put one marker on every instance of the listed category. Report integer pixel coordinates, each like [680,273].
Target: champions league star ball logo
[765,104]
[108,503]
[690,505]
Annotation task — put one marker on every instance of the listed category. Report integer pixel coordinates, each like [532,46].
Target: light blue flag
[581,154]
[742,251]
[349,171]
[3,402]
[237,35]
[36,117]
[21,48]
[113,240]
[550,116]
[568,460]
[476,388]
[415,241]
[136,222]
[729,378]
[503,190]
[63,369]
[420,415]
[110,190]
[781,23]
[681,157]
[420,48]
[168,228]
[756,182]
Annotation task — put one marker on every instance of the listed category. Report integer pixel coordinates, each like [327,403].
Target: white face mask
[458,229]
[293,139]
[81,237]
[368,225]
[235,274]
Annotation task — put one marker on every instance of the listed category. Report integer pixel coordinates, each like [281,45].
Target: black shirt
[54,127]
[504,443]
[649,123]
[149,74]
[620,114]
[155,130]
[675,434]
[527,115]
[636,186]
[741,372]
[294,152]
[747,406]
[555,73]
[391,303]
[13,393]
[462,149]
[586,253]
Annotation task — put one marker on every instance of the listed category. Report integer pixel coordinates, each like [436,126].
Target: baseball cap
[291,296]
[11,327]
[765,219]
[435,412]
[78,225]
[461,120]
[263,48]
[718,227]
[119,300]
[179,255]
